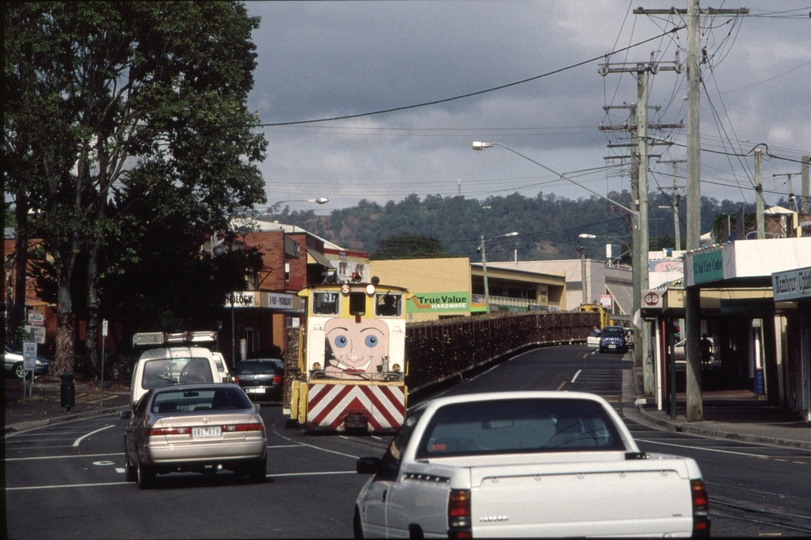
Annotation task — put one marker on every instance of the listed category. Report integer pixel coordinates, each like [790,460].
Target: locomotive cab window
[325,303]
[357,303]
[388,304]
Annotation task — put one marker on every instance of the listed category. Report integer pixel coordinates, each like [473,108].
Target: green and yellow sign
[439,302]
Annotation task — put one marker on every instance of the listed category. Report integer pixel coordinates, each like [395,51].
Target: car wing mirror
[256,407]
[368,465]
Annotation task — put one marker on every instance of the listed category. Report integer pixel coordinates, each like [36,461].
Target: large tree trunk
[92,335]
[20,262]
[64,359]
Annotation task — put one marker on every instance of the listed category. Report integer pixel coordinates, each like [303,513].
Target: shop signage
[792,285]
[708,266]
[241,299]
[280,301]
[439,302]
[747,305]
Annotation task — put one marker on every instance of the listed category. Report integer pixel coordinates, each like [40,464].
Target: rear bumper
[215,452]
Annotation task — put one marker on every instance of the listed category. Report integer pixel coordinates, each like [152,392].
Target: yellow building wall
[447,275]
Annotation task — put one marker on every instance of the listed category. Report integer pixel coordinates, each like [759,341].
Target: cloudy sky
[526,75]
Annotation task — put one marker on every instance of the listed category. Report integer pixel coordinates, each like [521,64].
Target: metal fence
[439,350]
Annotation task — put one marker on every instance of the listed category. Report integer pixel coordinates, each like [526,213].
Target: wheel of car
[130,470]
[357,528]
[19,370]
[257,471]
[146,476]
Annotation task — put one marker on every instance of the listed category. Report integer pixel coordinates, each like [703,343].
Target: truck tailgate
[625,498]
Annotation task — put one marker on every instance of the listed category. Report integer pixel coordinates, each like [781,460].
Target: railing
[515,302]
[439,350]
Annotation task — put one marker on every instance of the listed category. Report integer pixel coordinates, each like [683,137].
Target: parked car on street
[14,363]
[194,428]
[593,340]
[525,464]
[613,340]
[261,378]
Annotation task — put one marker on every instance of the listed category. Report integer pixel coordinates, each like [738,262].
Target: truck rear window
[519,426]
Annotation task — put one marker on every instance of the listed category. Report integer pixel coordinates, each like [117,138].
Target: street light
[592,236]
[484,268]
[478,145]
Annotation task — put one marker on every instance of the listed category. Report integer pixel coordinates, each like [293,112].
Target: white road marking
[706,449]
[79,440]
[576,375]
[62,486]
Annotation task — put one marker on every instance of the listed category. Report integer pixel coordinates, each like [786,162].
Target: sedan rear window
[613,332]
[518,426]
[204,399]
[258,368]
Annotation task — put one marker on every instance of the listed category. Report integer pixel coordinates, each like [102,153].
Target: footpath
[734,414]
[739,415]
[45,405]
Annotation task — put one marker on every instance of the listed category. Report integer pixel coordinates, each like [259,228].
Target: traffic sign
[36,317]
[29,355]
[37,333]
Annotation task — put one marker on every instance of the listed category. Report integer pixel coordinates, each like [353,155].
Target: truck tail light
[459,524]
[701,509]
[243,427]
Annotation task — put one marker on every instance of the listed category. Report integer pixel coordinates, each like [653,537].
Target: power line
[469,94]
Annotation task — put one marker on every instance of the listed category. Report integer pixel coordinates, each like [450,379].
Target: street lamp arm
[481,145]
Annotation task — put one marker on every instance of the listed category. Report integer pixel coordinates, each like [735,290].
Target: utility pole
[639,188]
[791,200]
[692,296]
[805,205]
[759,202]
[585,290]
[676,197]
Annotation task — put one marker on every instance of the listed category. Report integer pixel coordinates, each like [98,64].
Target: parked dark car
[261,378]
[613,340]
[14,363]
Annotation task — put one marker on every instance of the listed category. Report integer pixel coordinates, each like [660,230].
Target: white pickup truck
[528,464]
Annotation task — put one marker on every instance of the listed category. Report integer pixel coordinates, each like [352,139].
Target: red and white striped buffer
[328,405]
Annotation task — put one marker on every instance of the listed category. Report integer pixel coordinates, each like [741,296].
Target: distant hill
[549,226]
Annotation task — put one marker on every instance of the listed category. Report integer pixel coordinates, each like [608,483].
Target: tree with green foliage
[409,246]
[98,90]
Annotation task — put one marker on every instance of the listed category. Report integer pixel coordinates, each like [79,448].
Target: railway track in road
[762,516]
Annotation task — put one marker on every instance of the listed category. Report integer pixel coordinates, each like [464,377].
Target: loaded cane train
[352,363]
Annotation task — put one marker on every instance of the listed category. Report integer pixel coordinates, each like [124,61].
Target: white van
[172,365]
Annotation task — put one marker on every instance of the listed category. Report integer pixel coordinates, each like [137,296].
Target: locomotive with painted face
[352,363]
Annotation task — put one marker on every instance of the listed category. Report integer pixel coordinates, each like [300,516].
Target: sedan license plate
[612,346]
[255,390]
[206,432]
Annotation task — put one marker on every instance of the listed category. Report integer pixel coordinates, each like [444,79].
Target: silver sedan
[194,428]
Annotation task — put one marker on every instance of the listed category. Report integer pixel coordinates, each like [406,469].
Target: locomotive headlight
[317,366]
[396,368]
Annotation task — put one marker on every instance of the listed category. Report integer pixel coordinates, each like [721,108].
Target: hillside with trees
[549,226]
